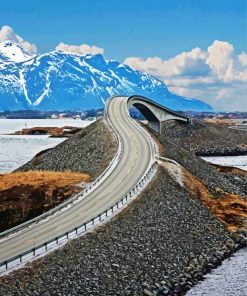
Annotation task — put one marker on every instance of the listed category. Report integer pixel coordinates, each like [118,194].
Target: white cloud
[80,49]
[186,63]
[243,58]
[219,59]
[216,75]
[7,33]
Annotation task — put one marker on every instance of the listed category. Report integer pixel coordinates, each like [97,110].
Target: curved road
[135,159]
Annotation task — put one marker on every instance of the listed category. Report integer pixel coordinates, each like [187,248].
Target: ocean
[17,150]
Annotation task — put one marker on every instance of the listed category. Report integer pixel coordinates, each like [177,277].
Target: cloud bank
[216,75]
[7,33]
[79,49]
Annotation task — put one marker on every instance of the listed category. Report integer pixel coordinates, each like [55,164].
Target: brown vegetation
[226,122]
[64,131]
[231,209]
[24,195]
[227,169]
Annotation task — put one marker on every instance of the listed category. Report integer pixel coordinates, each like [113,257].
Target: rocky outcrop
[58,132]
[25,195]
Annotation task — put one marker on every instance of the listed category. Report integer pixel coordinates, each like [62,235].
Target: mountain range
[66,81]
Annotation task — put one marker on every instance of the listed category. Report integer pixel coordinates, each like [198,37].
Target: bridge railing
[85,227]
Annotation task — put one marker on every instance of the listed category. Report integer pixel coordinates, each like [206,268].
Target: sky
[197,47]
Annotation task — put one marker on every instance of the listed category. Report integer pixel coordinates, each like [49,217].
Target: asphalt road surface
[134,161]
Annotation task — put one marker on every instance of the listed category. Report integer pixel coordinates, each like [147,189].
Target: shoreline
[213,264]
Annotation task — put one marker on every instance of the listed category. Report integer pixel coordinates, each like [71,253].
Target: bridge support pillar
[155,125]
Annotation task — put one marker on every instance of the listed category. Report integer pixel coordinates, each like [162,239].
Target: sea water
[17,150]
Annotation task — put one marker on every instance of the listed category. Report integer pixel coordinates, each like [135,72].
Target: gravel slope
[206,138]
[90,151]
[192,138]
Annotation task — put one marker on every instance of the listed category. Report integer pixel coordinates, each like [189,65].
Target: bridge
[127,175]
[155,113]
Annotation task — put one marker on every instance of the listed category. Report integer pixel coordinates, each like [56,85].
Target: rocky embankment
[161,244]
[193,138]
[206,139]
[90,151]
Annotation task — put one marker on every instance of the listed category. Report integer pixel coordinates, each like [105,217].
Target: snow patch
[23,84]
[175,171]
[12,52]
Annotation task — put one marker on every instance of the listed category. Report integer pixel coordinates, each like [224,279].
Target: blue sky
[197,47]
[128,28]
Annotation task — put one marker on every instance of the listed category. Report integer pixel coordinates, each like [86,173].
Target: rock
[148,293]
[115,266]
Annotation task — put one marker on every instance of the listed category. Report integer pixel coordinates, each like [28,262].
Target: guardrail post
[6,265]
[57,240]
[33,251]
[106,213]
[21,258]
[67,235]
[46,247]
[76,230]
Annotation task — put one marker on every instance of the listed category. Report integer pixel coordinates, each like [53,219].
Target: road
[132,165]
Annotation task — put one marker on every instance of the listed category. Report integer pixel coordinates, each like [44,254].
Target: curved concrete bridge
[154,112]
[129,171]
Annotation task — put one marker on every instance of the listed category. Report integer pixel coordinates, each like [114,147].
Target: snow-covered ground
[229,279]
[17,150]
[8,126]
[232,161]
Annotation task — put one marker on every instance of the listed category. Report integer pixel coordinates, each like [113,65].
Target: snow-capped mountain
[12,52]
[63,81]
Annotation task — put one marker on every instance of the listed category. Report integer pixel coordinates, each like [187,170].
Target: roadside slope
[206,138]
[90,151]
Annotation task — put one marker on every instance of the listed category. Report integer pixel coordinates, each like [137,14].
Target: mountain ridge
[68,81]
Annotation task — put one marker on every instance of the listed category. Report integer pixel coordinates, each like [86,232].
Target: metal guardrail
[83,228]
[76,198]
[168,160]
